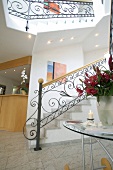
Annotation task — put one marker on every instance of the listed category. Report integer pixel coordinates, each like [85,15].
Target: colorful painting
[50,70]
[55,70]
[51,6]
[59,70]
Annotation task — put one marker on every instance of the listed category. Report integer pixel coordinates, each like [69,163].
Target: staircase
[56,132]
[60,103]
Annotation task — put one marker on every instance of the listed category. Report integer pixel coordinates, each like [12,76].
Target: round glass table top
[92,129]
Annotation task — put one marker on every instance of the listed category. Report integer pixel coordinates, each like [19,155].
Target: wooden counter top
[7,95]
[13,110]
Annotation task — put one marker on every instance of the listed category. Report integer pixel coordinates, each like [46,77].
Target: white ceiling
[15,44]
[85,36]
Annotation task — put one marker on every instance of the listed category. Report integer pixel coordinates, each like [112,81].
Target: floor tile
[15,154]
[23,167]
[15,161]
[3,163]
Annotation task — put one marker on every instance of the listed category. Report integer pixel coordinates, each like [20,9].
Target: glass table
[96,131]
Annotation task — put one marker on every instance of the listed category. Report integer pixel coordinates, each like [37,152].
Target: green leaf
[111,90]
[99,78]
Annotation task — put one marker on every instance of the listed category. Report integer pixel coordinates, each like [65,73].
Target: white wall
[9,84]
[107,6]
[72,56]
[98,10]
[94,55]
[101,9]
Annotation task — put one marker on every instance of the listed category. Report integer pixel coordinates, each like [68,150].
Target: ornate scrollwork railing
[57,97]
[45,9]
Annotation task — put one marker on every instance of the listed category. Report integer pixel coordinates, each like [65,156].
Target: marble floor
[15,154]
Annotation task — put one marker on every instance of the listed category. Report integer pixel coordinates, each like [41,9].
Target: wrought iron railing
[47,9]
[56,97]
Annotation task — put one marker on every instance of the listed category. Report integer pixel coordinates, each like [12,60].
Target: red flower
[106,77]
[86,81]
[86,75]
[97,70]
[91,91]
[92,81]
[79,91]
[99,84]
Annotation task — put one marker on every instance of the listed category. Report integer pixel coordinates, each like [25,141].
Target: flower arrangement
[98,84]
[24,86]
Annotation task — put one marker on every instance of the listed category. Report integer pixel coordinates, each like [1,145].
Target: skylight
[48,15]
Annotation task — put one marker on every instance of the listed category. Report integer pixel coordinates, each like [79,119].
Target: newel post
[40,81]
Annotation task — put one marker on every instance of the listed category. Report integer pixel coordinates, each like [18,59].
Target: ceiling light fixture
[72,38]
[96,45]
[61,40]
[49,42]
[29,36]
[14,70]
[96,35]
[5,72]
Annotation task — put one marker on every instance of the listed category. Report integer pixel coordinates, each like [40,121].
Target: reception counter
[13,110]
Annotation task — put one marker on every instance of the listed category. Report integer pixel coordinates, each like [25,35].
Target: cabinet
[13,111]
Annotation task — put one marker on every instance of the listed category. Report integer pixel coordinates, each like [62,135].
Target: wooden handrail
[61,77]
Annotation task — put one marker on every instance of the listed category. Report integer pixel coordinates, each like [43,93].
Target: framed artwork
[50,70]
[52,7]
[55,70]
[59,70]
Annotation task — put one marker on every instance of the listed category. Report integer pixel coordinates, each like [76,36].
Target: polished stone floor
[15,154]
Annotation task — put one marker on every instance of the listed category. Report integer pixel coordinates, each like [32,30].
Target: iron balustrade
[45,9]
[48,9]
[55,99]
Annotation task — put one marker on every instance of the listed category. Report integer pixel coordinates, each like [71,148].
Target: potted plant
[24,90]
[100,84]
[24,86]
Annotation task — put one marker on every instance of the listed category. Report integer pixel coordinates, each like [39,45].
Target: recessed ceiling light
[61,40]
[14,70]
[96,45]
[29,36]
[49,42]
[96,34]
[5,72]
[72,38]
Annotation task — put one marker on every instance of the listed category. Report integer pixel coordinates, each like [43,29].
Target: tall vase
[105,110]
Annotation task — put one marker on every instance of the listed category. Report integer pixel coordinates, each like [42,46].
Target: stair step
[55,131]
[50,128]
[64,118]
